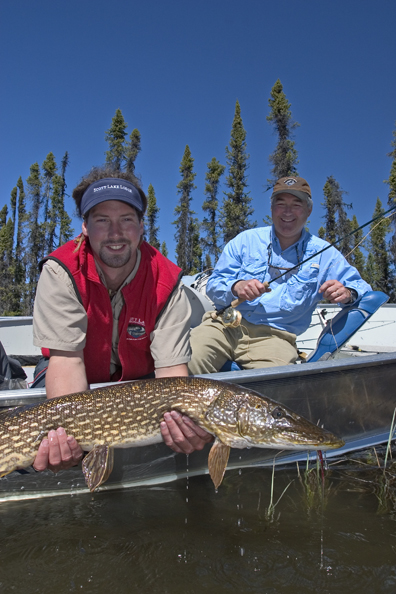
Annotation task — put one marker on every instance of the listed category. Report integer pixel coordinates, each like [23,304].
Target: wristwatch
[354,295]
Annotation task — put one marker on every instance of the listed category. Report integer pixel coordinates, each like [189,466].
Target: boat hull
[354,398]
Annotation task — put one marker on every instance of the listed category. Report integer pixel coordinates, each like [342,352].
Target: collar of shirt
[298,246]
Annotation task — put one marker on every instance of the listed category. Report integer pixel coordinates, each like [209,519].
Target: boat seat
[339,329]
[231,366]
[344,325]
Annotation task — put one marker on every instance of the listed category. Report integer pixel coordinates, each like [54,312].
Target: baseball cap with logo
[111,188]
[297,186]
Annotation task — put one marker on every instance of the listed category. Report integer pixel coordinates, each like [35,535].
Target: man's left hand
[182,435]
[335,292]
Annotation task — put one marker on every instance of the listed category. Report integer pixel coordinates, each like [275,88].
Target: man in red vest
[110,307]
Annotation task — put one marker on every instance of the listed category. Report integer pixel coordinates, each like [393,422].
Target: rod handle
[240,300]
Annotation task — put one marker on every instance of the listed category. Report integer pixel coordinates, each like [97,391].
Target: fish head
[268,424]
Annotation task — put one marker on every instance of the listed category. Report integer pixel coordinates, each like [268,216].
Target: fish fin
[97,465]
[217,461]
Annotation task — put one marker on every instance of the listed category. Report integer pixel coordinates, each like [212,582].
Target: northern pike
[129,414]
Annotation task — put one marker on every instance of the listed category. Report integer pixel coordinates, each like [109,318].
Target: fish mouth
[288,442]
[311,438]
[317,445]
[320,440]
[334,445]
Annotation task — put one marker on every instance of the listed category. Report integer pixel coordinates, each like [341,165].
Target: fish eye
[258,406]
[277,413]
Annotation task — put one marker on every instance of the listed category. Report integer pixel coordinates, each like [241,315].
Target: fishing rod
[238,301]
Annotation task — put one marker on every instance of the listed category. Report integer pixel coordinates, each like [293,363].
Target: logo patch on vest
[136,328]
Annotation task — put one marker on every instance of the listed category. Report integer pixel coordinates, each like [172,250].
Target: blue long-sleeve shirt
[255,254]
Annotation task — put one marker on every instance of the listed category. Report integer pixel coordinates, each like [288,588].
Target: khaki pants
[250,345]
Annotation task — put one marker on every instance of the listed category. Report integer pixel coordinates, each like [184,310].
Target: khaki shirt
[60,320]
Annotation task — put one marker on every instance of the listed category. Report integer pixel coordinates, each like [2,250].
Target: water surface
[183,537]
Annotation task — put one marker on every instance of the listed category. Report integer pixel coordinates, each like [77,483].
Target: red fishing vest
[145,297]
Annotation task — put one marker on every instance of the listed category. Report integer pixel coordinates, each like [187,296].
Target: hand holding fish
[58,452]
[182,435]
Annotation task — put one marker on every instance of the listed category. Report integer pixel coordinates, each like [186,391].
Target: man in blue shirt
[272,317]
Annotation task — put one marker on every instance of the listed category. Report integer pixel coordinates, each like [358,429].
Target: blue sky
[176,69]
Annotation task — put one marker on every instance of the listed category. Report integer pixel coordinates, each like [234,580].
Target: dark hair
[102,172]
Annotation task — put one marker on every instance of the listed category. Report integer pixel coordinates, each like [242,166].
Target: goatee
[115,260]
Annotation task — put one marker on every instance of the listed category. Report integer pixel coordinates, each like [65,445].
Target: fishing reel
[229,316]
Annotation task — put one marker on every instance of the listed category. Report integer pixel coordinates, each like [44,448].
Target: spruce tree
[370,271]
[357,257]
[337,224]
[236,208]
[132,150]
[34,233]
[284,159]
[122,154]
[35,243]
[10,283]
[164,249]
[208,263]
[54,218]
[65,229]
[64,165]
[184,241]
[115,136]
[152,214]
[195,264]
[48,171]
[6,263]
[210,223]
[50,210]
[391,182]
[330,212]
[381,279]
[57,223]
[3,215]
[13,202]
[20,254]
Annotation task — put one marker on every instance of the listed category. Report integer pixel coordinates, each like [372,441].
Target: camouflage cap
[297,186]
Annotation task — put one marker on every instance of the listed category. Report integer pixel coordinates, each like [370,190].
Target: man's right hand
[58,452]
[248,290]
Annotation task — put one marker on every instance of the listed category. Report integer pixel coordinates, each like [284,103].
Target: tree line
[37,222]
[34,226]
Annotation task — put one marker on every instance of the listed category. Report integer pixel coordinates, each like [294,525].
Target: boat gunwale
[10,398]
[303,369]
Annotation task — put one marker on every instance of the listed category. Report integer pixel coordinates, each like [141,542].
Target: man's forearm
[65,374]
[173,371]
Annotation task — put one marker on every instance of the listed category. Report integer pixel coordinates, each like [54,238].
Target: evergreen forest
[35,222]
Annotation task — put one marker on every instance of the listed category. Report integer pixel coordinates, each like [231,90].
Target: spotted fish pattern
[129,414]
